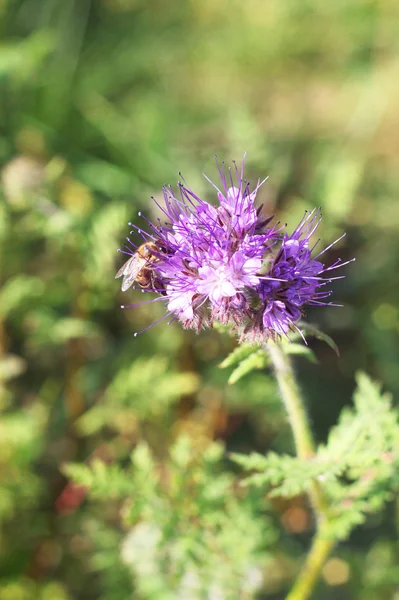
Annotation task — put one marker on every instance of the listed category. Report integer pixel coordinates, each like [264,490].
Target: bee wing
[130,270]
[123,268]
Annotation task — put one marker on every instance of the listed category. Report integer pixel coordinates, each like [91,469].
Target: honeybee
[138,267]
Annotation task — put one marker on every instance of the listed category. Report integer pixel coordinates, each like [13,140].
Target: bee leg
[157,285]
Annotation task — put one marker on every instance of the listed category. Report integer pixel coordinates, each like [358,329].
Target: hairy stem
[322,545]
[305,449]
[304,443]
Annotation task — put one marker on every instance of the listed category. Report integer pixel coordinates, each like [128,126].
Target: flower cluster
[228,263]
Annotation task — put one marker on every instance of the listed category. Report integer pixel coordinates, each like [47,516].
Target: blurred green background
[102,102]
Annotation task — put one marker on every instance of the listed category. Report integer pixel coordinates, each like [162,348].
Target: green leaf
[358,467]
[101,479]
[237,355]
[300,349]
[256,360]
[250,462]
[287,475]
[310,329]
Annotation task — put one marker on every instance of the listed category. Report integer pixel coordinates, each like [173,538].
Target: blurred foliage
[192,535]
[103,101]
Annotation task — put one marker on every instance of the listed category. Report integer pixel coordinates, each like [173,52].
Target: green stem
[305,449]
[322,545]
[304,443]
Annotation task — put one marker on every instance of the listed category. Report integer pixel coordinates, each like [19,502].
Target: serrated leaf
[249,462]
[368,394]
[309,328]
[257,360]
[101,479]
[288,475]
[358,468]
[237,355]
[300,349]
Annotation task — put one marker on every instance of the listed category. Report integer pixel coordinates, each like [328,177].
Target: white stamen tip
[139,213]
[135,334]
[122,306]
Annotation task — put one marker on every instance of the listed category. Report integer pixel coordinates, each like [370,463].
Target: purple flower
[226,275]
[229,263]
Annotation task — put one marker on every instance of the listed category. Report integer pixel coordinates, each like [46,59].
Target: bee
[138,267]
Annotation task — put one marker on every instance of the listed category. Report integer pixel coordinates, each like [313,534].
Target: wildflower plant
[99,98]
[192,530]
[229,263]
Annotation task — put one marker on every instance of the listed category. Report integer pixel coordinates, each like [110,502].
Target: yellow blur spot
[336,571]
[75,197]
[14,591]
[21,177]
[385,316]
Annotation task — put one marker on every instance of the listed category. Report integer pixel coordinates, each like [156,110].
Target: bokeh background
[102,102]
